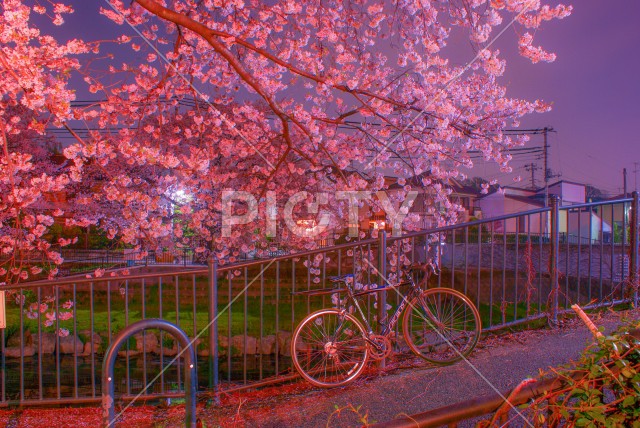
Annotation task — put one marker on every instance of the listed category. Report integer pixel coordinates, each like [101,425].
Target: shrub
[602,388]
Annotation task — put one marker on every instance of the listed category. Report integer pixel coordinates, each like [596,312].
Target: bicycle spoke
[329,349]
[441,326]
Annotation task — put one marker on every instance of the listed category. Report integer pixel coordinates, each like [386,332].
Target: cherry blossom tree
[313,96]
[268,98]
[34,74]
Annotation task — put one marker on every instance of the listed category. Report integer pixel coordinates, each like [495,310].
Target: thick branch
[211,37]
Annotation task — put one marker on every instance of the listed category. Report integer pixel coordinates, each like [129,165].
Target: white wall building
[509,200]
[578,225]
[569,193]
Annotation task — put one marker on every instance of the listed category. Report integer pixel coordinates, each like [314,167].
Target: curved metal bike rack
[190,378]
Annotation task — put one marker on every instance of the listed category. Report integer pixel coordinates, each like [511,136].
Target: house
[617,215]
[511,200]
[568,192]
[465,196]
[581,225]
[575,225]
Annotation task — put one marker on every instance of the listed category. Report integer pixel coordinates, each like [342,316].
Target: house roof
[565,181]
[531,200]
[462,189]
[455,185]
[531,192]
[415,181]
[520,189]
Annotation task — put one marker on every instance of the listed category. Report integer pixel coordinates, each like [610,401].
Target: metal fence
[515,268]
[78,261]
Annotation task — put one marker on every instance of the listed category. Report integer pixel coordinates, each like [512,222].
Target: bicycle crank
[379,346]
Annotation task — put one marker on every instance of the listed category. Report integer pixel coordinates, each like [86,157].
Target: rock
[148,341]
[16,341]
[124,353]
[301,346]
[15,351]
[202,348]
[71,345]
[48,342]
[284,338]
[238,345]
[267,345]
[170,352]
[223,345]
[92,343]
[284,343]
[252,346]
[285,349]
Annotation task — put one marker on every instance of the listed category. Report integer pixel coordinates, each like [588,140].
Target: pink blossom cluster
[252,97]
[36,69]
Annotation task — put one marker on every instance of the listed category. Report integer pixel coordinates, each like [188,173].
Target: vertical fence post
[635,247]
[382,295]
[213,323]
[554,246]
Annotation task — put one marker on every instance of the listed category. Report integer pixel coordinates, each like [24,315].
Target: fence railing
[515,268]
[80,261]
[77,261]
[495,404]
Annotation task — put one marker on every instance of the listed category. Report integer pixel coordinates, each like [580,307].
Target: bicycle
[331,347]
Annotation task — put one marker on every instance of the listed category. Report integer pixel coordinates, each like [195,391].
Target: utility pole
[533,168]
[546,166]
[624,182]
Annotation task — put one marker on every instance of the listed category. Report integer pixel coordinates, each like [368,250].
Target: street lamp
[307,225]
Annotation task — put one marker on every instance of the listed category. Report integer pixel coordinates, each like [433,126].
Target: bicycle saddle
[340,278]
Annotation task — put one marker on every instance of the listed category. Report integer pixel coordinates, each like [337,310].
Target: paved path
[503,362]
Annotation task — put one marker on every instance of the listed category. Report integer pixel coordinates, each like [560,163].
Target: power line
[191,102]
[532,167]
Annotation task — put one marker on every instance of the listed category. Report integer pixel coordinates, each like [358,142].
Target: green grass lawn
[257,323]
[251,319]
[493,315]
[123,304]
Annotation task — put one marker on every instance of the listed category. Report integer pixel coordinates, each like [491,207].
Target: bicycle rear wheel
[328,348]
[441,325]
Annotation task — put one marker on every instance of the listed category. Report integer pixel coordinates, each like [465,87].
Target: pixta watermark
[314,202]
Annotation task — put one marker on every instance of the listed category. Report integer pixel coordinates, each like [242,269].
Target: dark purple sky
[594,86]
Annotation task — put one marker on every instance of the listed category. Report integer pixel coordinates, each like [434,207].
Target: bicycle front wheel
[441,325]
[328,348]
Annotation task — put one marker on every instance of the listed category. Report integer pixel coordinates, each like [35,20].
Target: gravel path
[503,362]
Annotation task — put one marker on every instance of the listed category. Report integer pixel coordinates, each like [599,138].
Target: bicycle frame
[387,326]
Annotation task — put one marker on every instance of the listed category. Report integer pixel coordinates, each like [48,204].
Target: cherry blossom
[268,98]
[35,72]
